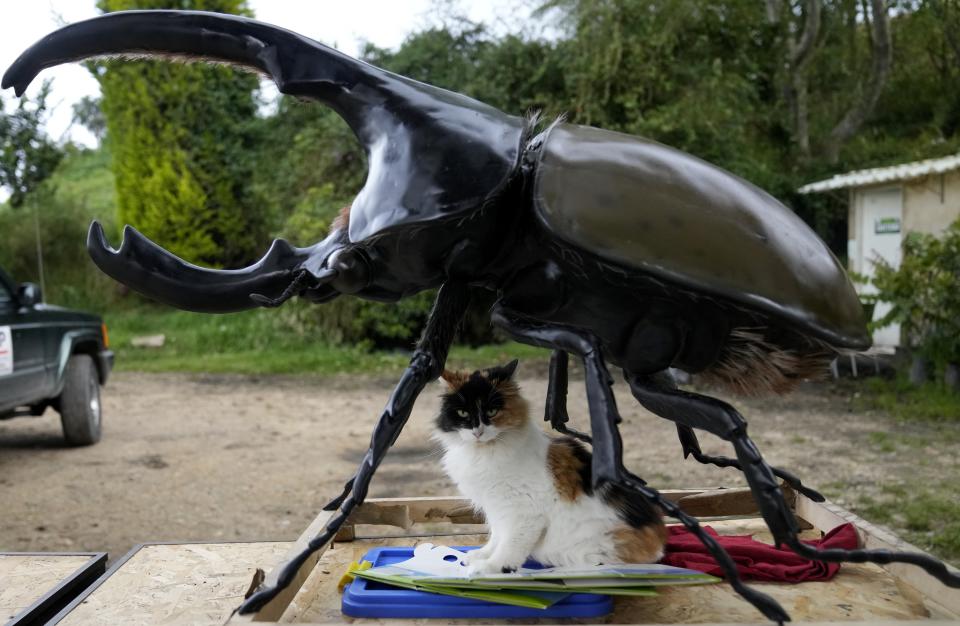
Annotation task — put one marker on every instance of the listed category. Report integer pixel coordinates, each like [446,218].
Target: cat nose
[478,431]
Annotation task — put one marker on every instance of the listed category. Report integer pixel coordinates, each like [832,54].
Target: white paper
[441,561]
[429,560]
[6,351]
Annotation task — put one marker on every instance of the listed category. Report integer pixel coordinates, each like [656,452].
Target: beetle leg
[556,414]
[608,446]
[556,407]
[426,365]
[721,419]
[302,280]
[334,504]
[691,447]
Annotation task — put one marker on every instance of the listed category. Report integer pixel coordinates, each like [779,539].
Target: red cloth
[755,560]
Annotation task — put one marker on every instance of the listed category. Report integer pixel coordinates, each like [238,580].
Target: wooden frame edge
[53,601]
[828,515]
[273,609]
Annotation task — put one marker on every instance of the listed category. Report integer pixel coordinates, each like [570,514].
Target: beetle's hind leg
[691,447]
[425,365]
[608,447]
[721,419]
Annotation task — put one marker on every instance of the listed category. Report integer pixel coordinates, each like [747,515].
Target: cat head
[482,405]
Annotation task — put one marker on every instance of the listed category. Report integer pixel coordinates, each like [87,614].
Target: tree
[27,155]
[88,113]
[809,46]
[181,137]
[695,75]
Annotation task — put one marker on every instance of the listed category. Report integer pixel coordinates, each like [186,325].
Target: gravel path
[211,458]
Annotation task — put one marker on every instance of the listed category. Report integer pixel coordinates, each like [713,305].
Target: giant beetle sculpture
[610,247]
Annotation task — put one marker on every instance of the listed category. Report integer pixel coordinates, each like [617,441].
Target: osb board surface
[24,579]
[857,593]
[177,584]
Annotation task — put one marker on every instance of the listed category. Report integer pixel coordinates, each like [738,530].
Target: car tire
[80,411]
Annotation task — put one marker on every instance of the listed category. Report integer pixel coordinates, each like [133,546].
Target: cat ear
[454,380]
[504,372]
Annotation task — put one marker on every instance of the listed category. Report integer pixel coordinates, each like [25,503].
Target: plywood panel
[176,584]
[25,578]
[858,593]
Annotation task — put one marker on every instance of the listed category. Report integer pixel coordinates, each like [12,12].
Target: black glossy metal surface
[151,270]
[655,209]
[413,133]
[610,247]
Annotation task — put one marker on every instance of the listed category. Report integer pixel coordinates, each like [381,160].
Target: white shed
[885,204]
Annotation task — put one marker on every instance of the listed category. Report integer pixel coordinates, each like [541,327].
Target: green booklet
[439,569]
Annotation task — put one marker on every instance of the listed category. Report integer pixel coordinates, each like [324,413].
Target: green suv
[51,356]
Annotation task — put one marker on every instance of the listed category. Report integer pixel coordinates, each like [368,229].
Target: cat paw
[477,566]
[480,553]
[481,567]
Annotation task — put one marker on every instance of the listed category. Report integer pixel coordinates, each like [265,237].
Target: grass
[262,342]
[925,515]
[916,428]
[882,441]
[903,401]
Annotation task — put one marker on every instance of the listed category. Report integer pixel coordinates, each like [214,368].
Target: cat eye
[492,412]
[461,413]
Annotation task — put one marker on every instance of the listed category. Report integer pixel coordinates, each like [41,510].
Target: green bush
[361,323]
[80,190]
[182,136]
[924,294]
[350,321]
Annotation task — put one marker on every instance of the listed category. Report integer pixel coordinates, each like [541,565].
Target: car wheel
[80,402]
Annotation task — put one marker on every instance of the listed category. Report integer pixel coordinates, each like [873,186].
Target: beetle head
[432,153]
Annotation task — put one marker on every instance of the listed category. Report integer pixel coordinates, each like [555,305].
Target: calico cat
[534,490]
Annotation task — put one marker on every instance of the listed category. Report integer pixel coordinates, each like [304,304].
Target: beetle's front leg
[426,365]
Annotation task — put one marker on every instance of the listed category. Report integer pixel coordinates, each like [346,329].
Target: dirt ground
[201,457]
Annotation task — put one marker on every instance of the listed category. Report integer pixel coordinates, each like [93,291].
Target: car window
[5,296]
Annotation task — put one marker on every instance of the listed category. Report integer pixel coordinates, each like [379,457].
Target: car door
[23,376]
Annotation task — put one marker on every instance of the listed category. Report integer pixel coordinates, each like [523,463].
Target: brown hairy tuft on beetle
[752,364]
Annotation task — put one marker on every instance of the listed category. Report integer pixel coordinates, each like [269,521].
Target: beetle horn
[188,34]
[158,274]
[297,64]
[411,131]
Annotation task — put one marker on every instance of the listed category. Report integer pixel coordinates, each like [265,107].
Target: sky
[344,24]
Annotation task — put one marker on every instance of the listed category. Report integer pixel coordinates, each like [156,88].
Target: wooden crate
[866,593]
[36,585]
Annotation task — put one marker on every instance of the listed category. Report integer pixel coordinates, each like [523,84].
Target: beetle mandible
[606,246]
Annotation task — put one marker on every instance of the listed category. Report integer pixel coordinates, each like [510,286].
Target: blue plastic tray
[367,598]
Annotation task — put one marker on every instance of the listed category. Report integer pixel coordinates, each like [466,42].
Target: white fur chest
[510,481]
[502,474]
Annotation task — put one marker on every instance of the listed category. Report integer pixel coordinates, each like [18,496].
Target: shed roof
[878,175]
